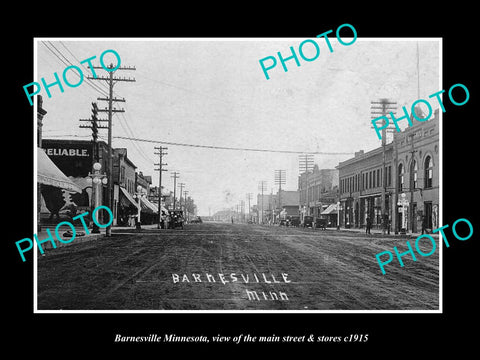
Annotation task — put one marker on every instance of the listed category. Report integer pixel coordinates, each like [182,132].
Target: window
[122,174]
[389,176]
[428,172]
[378,177]
[414,170]
[374,172]
[400,177]
[369,179]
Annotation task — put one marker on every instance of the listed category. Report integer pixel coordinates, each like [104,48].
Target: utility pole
[94,126]
[181,193]
[185,192]
[280,180]
[384,105]
[242,211]
[95,202]
[249,197]
[305,165]
[175,176]
[111,81]
[161,152]
[412,184]
[262,186]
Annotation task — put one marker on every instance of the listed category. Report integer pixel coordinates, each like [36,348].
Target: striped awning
[127,199]
[49,174]
[148,206]
[330,210]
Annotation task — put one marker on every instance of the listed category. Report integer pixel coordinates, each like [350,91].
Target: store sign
[73,159]
[67,152]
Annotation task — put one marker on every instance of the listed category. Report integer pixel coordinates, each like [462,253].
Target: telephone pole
[249,198]
[111,82]
[181,193]
[161,152]
[384,107]
[305,165]
[185,192]
[94,126]
[262,186]
[175,176]
[280,180]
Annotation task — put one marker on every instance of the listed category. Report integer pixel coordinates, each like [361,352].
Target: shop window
[428,172]
[400,177]
[414,170]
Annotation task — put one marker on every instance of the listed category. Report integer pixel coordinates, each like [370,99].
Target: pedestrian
[369,224]
[384,224]
[424,224]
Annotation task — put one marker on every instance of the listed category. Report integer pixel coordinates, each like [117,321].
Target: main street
[211,266]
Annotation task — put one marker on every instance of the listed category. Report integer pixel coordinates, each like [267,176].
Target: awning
[49,174]
[330,210]
[148,207]
[127,199]
[164,210]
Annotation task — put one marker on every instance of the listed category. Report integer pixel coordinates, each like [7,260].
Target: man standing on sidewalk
[368,226]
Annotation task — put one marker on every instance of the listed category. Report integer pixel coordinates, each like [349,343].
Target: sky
[213,92]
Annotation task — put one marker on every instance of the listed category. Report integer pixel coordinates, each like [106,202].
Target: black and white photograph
[245,180]
[234,184]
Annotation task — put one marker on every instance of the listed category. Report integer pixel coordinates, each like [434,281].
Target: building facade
[395,186]
[317,189]
[417,176]
[75,158]
[124,204]
[366,187]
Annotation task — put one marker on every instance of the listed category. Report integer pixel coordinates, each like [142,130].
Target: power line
[231,148]
[67,63]
[111,80]
[124,124]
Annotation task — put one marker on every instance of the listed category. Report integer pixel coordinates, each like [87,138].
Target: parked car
[321,223]
[176,219]
[294,221]
[308,221]
[197,220]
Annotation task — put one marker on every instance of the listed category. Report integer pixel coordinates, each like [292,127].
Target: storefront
[126,208]
[54,187]
[74,158]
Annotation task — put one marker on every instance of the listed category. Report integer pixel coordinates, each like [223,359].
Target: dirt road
[214,266]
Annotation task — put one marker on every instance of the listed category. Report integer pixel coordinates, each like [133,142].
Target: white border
[438,311]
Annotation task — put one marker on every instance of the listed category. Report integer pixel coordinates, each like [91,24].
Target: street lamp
[339,207]
[140,192]
[96,179]
[403,203]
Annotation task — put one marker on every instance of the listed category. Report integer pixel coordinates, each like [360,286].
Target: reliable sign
[67,152]
[73,159]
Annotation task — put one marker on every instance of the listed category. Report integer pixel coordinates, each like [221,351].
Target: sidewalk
[377,232]
[78,238]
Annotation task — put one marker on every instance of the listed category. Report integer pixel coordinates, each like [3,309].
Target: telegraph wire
[67,63]
[103,90]
[232,148]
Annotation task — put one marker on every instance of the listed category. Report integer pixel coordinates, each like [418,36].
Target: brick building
[317,189]
[398,181]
